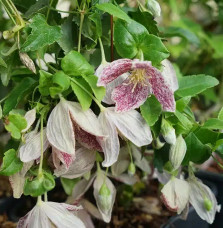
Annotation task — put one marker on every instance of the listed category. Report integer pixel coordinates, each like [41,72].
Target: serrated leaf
[113,10]
[17,94]
[83,97]
[15,124]
[151,110]
[195,84]
[132,38]
[42,34]
[214,123]
[11,163]
[75,64]
[99,92]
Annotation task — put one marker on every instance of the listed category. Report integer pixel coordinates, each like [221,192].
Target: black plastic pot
[193,220]
[217,179]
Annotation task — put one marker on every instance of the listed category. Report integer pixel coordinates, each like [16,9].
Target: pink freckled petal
[127,98]
[65,158]
[113,70]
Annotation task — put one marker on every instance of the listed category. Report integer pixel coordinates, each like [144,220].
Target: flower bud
[105,198]
[131,169]
[207,204]
[154,7]
[168,132]
[177,152]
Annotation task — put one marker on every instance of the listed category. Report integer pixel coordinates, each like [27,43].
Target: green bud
[104,190]
[105,198]
[207,204]
[131,169]
[168,132]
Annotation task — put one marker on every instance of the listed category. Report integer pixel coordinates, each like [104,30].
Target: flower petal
[160,87]
[61,217]
[169,74]
[31,150]
[30,117]
[200,191]
[175,195]
[110,144]
[131,125]
[99,181]
[129,96]
[87,128]
[83,163]
[60,131]
[17,180]
[113,70]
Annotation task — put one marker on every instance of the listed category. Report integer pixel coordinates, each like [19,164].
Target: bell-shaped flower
[50,214]
[177,152]
[130,124]
[168,132]
[83,163]
[203,200]
[30,117]
[175,194]
[154,7]
[68,122]
[143,80]
[31,149]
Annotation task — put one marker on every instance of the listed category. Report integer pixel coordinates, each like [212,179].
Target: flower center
[138,76]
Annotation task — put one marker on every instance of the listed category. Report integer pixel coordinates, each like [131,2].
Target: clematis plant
[94,128]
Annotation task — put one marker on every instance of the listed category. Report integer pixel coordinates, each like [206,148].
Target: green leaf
[220,114]
[151,110]
[83,97]
[213,123]
[96,18]
[161,157]
[195,84]
[17,94]
[11,163]
[132,38]
[186,123]
[45,82]
[207,136]
[68,184]
[75,64]
[39,185]
[61,82]
[113,10]
[147,20]
[182,103]
[42,34]
[2,62]
[197,152]
[15,124]
[99,92]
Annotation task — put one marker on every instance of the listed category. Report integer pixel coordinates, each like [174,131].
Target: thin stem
[45,197]
[39,200]
[103,59]
[40,171]
[102,108]
[14,9]
[80,29]
[216,160]
[48,11]
[8,12]
[63,11]
[129,150]
[112,34]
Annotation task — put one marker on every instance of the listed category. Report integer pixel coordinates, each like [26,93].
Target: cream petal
[199,192]
[31,150]
[132,126]
[17,180]
[110,144]
[175,194]
[83,163]
[60,132]
[30,117]
[101,179]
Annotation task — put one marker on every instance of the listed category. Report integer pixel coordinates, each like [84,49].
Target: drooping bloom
[203,200]
[143,80]
[130,125]
[30,117]
[168,132]
[50,214]
[175,194]
[68,122]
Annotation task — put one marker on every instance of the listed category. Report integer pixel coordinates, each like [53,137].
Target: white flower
[49,215]
[154,7]
[168,132]
[30,117]
[199,197]
[177,152]
[175,194]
